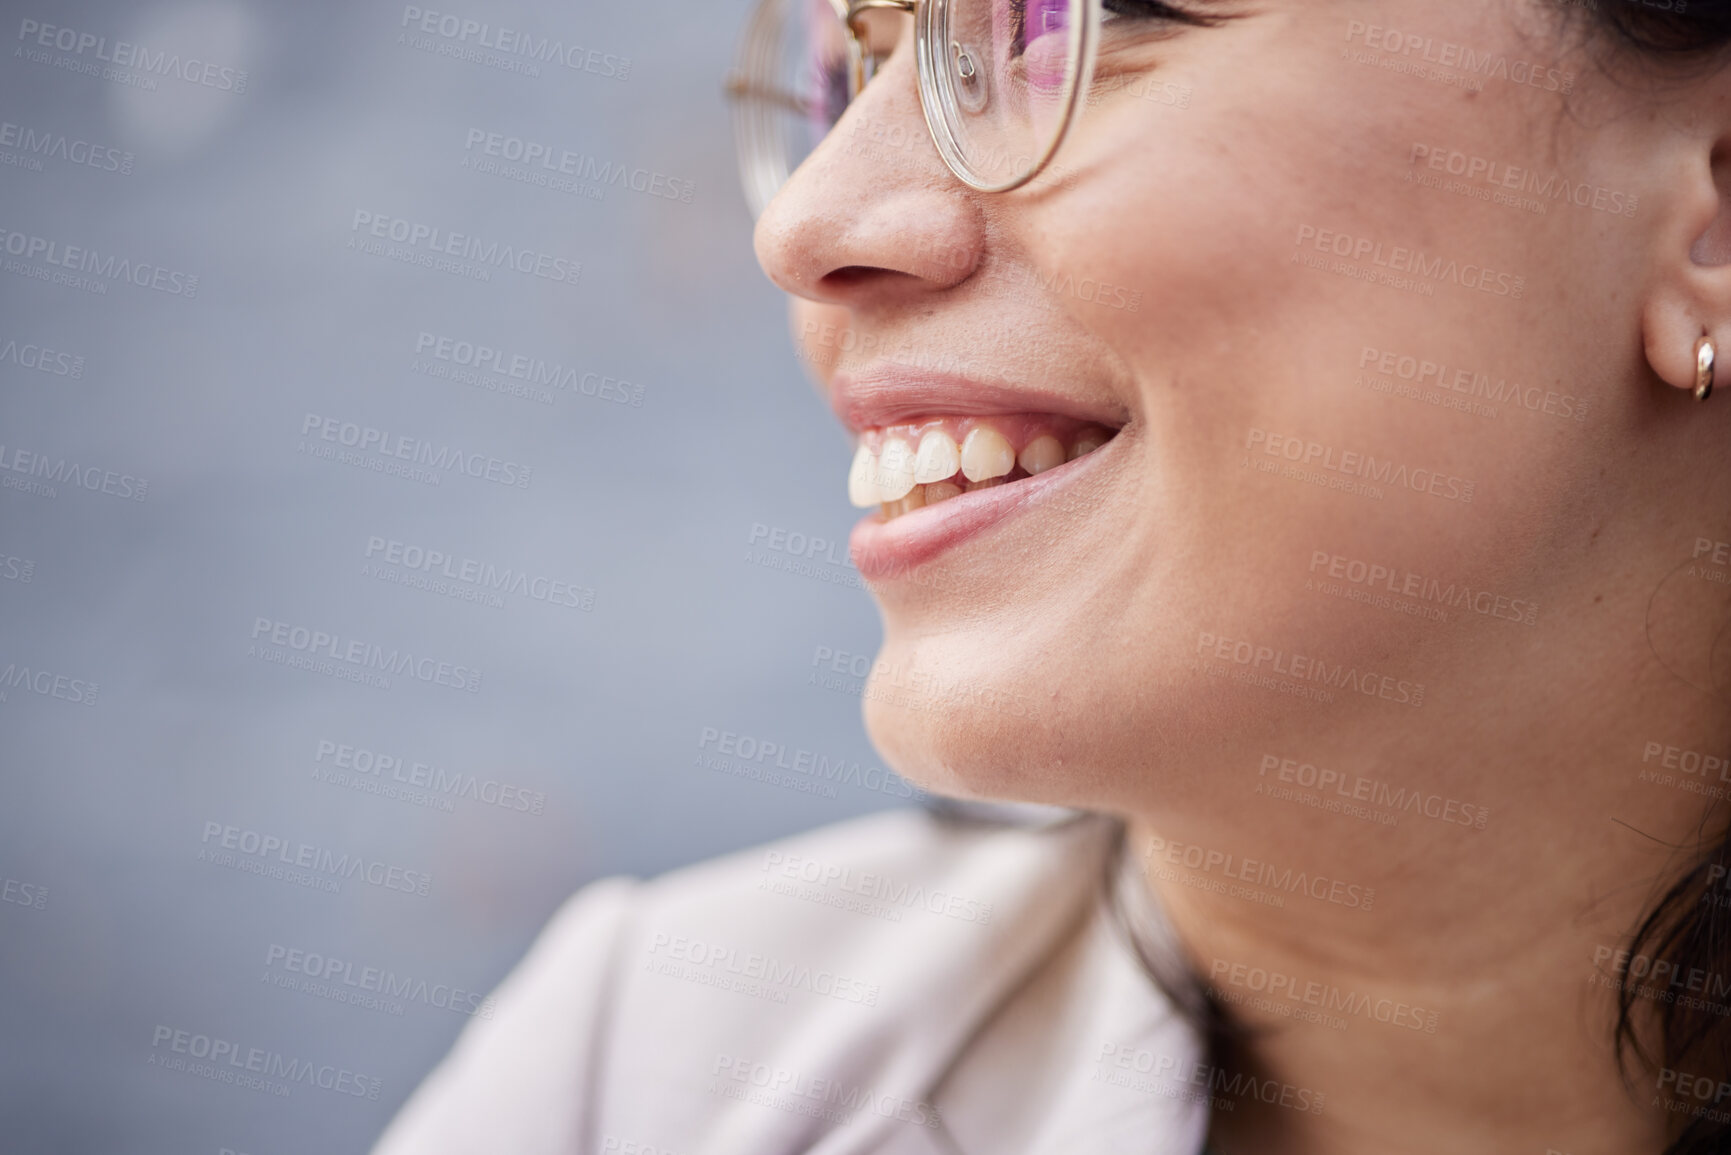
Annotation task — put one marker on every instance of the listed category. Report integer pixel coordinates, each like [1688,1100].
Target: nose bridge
[867,20]
[899,85]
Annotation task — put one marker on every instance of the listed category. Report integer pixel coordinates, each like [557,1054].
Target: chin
[991,736]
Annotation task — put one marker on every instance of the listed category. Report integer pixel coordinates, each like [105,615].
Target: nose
[863,222]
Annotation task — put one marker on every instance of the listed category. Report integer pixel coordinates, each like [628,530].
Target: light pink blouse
[891,984]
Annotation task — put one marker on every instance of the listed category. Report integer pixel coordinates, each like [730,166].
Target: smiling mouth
[913,464]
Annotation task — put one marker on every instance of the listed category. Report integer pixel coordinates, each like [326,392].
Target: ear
[1691,295]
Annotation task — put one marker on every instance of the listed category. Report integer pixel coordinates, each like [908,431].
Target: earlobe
[1674,336]
[1691,301]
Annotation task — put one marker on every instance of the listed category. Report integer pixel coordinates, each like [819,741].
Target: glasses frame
[763,162]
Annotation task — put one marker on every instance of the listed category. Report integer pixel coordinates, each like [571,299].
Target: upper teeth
[1041,454]
[895,470]
[986,454]
[912,466]
[862,485]
[939,458]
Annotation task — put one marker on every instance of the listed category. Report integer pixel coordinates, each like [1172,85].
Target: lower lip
[886,549]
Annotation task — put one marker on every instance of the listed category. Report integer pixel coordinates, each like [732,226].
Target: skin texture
[1062,656]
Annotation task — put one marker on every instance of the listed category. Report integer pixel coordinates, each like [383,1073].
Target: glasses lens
[1000,77]
[789,88]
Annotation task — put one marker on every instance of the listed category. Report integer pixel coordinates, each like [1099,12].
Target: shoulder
[508,1082]
[637,994]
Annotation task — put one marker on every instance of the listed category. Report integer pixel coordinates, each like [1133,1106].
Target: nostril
[850,276]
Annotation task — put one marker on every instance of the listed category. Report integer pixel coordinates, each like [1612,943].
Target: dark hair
[1662,28]
[1685,933]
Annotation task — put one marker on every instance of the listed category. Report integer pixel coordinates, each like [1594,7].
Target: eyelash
[834,74]
[1151,10]
[1131,9]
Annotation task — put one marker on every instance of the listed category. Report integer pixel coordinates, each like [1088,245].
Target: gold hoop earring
[1705,355]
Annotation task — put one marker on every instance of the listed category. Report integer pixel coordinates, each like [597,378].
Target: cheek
[1273,273]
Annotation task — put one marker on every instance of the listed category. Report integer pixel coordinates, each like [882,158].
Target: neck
[1443,988]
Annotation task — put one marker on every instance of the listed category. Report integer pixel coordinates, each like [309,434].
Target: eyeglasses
[999,81]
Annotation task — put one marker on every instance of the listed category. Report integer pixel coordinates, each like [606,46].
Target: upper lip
[880,395]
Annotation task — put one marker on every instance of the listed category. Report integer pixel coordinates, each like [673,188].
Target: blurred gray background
[179,844]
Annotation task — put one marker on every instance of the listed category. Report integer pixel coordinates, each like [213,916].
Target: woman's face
[1357,284]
